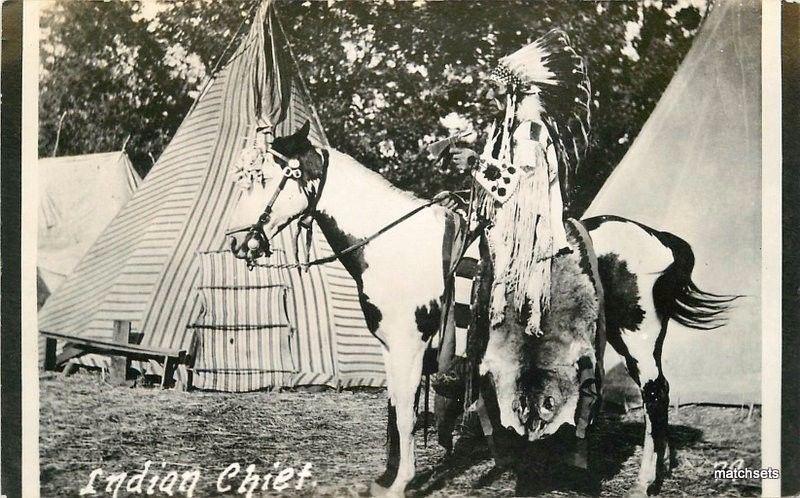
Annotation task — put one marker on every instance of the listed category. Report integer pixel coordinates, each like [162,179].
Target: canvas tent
[78,198]
[695,171]
[161,263]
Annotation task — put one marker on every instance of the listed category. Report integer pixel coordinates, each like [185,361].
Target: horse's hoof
[376,489]
[654,489]
[651,489]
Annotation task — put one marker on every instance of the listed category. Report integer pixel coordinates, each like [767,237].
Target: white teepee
[695,171]
[78,198]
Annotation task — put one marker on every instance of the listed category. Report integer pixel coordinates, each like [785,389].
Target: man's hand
[464,158]
[448,200]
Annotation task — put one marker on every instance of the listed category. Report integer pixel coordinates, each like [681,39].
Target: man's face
[529,106]
[497,93]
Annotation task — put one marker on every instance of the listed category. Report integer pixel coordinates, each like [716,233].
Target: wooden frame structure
[122,349]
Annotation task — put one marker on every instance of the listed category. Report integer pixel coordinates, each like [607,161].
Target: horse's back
[628,241]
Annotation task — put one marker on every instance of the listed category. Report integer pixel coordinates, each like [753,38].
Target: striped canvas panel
[266,299]
[359,354]
[243,332]
[234,296]
[243,360]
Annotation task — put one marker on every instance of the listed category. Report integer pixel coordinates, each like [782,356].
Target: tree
[382,74]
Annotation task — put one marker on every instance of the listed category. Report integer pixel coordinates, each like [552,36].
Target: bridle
[256,240]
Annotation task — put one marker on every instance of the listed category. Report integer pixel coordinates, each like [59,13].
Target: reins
[354,247]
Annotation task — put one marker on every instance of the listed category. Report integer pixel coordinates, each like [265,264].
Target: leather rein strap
[256,230]
[358,245]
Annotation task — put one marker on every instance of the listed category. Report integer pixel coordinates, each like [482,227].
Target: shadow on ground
[541,468]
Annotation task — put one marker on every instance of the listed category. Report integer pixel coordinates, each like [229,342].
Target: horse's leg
[392,450]
[656,401]
[655,394]
[403,372]
[642,350]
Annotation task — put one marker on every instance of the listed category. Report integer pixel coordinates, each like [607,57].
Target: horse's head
[281,185]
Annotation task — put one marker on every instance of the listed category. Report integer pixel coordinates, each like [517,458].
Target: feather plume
[551,67]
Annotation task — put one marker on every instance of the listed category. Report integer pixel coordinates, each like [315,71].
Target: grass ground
[85,424]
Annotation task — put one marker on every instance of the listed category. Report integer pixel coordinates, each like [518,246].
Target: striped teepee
[161,263]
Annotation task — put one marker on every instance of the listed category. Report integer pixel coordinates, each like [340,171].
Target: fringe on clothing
[526,235]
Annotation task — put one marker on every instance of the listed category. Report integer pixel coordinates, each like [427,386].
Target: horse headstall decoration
[253,166]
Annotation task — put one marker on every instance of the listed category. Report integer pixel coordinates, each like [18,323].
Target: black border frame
[790,231]
[10,223]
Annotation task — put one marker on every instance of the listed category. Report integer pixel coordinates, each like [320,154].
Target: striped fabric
[465,274]
[144,269]
[359,359]
[243,332]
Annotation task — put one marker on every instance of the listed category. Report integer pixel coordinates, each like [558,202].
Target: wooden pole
[58,132]
[50,354]
[118,369]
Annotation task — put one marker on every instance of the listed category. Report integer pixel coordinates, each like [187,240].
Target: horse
[401,270]
[400,274]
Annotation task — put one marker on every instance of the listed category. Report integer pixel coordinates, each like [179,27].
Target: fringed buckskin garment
[526,230]
[536,145]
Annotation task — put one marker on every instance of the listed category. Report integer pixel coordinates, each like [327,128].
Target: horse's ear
[303,131]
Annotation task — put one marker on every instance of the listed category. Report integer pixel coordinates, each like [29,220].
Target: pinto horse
[400,275]
[647,280]
[402,280]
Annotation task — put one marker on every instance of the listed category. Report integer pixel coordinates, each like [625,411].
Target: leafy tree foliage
[384,75]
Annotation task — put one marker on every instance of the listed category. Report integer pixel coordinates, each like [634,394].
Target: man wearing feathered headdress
[526,159]
[523,176]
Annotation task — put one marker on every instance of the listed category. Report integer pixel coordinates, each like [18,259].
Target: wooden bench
[122,352]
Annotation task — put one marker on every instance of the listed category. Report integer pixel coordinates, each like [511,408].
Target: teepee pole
[300,77]
[221,56]
[58,132]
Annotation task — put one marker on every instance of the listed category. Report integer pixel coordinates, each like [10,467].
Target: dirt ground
[86,425]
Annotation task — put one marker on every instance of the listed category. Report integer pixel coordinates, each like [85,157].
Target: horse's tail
[678,297]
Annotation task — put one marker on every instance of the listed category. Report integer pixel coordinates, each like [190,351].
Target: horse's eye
[548,403]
